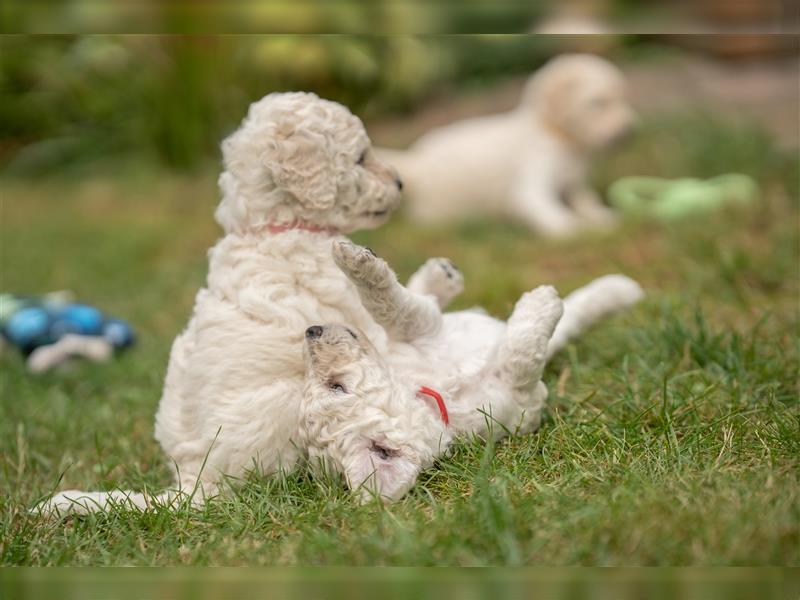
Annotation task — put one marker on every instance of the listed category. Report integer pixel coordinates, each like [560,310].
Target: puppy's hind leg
[521,355]
[76,502]
[403,314]
[512,376]
[439,278]
[598,300]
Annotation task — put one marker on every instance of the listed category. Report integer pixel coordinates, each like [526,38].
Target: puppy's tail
[588,305]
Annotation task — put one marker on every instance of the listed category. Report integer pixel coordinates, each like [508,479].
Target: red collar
[297,224]
[438,397]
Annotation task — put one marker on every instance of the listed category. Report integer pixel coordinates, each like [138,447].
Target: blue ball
[119,333]
[28,327]
[81,319]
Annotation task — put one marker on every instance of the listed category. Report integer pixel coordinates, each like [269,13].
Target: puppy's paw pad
[348,254]
[447,280]
[541,297]
[442,271]
[541,306]
[344,249]
[361,263]
[446,267]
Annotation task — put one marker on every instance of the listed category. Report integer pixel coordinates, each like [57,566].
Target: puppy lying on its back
[527,164]
[367,417]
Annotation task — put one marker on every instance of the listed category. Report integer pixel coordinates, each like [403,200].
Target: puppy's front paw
[361,264]
[440,278]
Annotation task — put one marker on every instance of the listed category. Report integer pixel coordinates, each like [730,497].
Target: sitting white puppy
[528,164]
[298,173]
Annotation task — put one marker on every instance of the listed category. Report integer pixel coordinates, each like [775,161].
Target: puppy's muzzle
[314,332]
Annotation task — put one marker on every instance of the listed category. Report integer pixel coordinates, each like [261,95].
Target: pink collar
[439,401]
[297,224]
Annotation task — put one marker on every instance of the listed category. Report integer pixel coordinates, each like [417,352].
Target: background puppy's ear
[550,89]
[556,99]
[300,163]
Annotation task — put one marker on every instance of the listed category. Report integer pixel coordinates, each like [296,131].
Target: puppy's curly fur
[296,156]
[234,389]
[528,164]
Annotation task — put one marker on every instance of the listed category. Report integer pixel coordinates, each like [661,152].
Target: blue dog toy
[50,329]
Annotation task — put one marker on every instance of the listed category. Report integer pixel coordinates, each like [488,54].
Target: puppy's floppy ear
[300,163]
[549,90]
[387,476]
[556,97]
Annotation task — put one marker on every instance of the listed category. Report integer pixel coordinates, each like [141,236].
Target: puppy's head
[357,419]
[298,157]
[583,98]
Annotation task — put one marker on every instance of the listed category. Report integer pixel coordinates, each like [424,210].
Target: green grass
[671,436]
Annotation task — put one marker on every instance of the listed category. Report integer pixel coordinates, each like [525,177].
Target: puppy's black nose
[399,183]
[313,332]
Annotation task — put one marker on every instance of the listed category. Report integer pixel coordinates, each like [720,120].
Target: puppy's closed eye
[337,387]
[361,158]
[382,452]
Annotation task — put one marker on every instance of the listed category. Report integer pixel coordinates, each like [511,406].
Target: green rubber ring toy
[673,199]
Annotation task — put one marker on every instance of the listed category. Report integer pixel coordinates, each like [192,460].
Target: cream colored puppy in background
[528,164]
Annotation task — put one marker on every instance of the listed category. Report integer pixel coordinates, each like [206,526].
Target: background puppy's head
[297,156]
[583,98]
[358,420]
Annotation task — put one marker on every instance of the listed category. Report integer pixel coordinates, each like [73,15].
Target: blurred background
[71,101]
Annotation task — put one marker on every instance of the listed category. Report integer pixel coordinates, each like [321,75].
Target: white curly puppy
[528,164]
[298,174]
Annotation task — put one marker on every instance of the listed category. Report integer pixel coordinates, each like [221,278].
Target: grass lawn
[672,435]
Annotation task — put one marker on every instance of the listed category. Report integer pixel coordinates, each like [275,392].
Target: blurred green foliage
[273,16]
[72,99]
